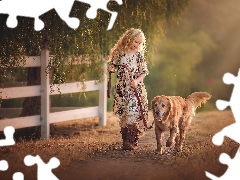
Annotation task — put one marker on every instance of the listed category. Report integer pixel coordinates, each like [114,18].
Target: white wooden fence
[43,90]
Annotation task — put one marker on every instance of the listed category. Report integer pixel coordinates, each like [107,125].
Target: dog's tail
[196,99]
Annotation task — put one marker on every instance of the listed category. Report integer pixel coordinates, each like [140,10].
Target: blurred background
[192,56]
[195,55]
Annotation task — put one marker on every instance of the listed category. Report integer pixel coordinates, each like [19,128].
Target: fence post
[44,90]
[103,97]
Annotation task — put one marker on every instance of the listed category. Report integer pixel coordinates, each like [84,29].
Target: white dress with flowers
[126,103]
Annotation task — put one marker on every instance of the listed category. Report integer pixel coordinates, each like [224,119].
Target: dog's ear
[152,104]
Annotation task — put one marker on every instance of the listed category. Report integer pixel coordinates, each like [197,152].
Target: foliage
[76,53]
[86,44]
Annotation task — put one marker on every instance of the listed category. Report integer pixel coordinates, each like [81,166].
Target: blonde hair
[125,42]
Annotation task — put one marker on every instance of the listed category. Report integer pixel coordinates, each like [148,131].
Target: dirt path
[199,155]
[89,152]
[143,163]
[107,165]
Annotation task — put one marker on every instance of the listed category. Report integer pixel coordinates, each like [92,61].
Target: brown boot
[124,131]
[130,136]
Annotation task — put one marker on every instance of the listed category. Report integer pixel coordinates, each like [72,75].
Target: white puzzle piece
[18,176]
[36,8]
[3,165]
[232,131]
[44,171]
[8,141]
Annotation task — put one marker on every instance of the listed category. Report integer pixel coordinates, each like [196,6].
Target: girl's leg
[132,136]
[124,132]
[131,133]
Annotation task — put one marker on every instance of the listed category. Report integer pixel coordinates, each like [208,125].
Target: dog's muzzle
[159,116]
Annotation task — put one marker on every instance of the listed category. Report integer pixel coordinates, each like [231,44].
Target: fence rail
[30,91]
[43,90]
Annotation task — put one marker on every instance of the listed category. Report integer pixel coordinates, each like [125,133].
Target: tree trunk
[31,106]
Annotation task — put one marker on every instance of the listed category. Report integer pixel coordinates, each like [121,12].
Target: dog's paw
[159,151]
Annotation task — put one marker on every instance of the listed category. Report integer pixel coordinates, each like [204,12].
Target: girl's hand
[111,68]
[134,83]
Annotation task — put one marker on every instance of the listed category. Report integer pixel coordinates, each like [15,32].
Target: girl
[130,96]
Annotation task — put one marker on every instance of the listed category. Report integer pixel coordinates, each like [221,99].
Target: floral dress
[126,103]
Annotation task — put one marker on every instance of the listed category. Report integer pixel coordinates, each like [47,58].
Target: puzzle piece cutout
[234,102]
[100,4]
[3,165]
[18,176]
[231,131]
[233,172]
[36,8]
[8,141]
[44,171]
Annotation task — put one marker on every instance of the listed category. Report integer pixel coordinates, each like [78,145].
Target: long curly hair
[125,42]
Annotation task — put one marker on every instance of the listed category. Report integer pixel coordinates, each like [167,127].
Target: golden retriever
[174,114]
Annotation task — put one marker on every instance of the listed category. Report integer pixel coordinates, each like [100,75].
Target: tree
[90,41]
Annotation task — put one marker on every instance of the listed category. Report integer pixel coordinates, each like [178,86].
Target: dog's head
[161,106]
